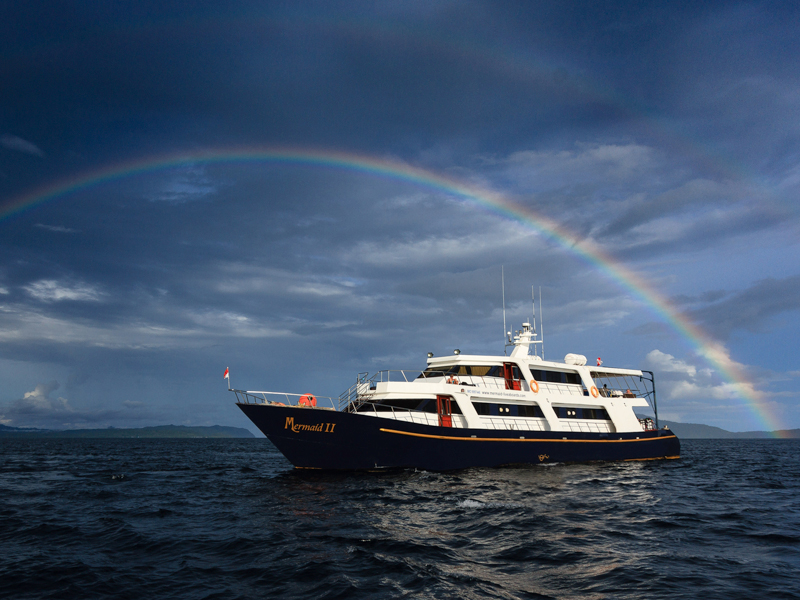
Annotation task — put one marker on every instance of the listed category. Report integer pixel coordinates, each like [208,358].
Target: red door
[508,373]
[444,408]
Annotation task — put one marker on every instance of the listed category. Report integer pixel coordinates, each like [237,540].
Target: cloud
[586,163]
[669,364]
[186,185]
[750,309]
[36,406]
[635,199]
[685,382]
[49,290]
[13,142]
[56,228]
[37,409]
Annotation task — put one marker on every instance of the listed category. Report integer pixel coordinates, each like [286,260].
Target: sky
[304,191]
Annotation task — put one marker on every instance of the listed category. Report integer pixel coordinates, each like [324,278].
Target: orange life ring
[594,392]
[534,386]
[307,400]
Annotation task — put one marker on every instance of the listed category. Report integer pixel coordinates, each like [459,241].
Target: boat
[467,411]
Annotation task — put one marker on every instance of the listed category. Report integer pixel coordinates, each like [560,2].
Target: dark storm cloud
[753,309]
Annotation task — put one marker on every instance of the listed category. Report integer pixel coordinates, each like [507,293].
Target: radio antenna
[541,319]
[503,285]
[533,310]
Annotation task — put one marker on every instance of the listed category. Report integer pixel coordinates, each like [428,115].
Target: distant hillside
[162,431]
[690,431]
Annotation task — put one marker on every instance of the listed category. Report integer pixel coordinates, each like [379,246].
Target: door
[445,410]
[509,372]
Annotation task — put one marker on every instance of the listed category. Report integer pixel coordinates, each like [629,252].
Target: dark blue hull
[326,439]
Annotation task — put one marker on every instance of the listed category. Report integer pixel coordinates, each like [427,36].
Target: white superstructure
[517,392]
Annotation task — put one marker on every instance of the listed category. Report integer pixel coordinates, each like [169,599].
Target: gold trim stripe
[472,439]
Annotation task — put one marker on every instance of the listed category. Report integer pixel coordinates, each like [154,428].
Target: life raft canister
[307,400]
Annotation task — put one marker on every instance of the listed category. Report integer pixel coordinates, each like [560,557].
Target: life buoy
[534,386]
[452,380]
[594,391]
[307,400]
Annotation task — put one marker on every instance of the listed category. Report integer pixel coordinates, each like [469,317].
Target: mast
[503,285]
[541,319]
[533,309]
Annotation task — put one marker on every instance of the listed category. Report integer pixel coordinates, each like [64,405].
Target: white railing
[571,389]
[587,426]
[514,424]
[284,399]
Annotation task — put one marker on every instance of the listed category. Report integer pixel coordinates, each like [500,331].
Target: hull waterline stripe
[476,439]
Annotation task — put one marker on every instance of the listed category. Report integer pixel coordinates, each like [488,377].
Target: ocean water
[232,519]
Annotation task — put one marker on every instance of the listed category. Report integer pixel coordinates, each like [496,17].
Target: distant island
[161,431]
[690,431]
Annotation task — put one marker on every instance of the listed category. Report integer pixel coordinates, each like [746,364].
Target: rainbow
[713,352]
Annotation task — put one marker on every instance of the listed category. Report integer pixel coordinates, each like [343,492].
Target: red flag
[227,375]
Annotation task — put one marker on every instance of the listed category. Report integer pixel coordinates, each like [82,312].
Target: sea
[230,518]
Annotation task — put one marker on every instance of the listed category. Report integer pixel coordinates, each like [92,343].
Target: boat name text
[318,427]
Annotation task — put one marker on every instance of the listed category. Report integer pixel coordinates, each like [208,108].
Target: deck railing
[282,398]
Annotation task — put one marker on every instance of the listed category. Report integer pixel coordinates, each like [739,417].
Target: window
[555,376]
[568,412]
[530,411]
[476,370]
[424,405]
[595,413]
[482,408]
[429,406]
[507,410]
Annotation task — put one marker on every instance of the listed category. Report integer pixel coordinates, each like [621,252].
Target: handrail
[285,398]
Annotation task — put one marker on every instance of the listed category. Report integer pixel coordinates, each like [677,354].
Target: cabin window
[476,370]
[595,413]
[530,411]
[429,406]
[405,403]
[481,370]
[424,405]
[507,410]
[568,412]
[555,376]
[482,408]
[437,371]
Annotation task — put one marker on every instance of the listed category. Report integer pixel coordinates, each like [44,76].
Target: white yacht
[470,411]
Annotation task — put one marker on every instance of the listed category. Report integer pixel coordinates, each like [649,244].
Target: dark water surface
[231,519]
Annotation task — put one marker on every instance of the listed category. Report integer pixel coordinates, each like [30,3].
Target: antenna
[533,308]
[503,284]
[541,319]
